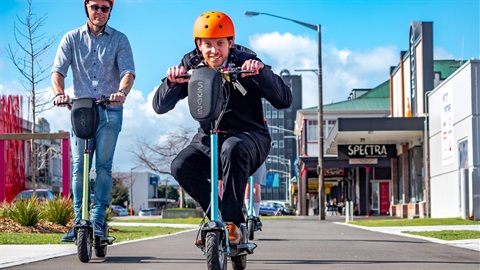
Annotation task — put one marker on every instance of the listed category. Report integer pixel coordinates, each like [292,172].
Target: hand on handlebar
[174,74]
[254,65]
[62,101]
[117,99]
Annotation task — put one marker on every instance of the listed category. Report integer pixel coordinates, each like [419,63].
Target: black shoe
[70,236]
[98,229]
[258,224]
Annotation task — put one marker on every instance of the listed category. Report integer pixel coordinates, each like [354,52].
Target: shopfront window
[312,131]
[400,179]
[416,177]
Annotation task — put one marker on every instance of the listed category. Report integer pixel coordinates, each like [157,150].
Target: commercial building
[400,158]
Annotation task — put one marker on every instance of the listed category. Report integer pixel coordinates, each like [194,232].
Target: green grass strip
[449,235]
[413,222]
[125,233]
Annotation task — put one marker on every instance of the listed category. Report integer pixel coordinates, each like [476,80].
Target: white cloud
[441,53]
[343,69]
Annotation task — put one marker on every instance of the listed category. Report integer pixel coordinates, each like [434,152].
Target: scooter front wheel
[251,229]
[84,245]
[215,251]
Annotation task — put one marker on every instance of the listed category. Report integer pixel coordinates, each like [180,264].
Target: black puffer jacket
[244,113]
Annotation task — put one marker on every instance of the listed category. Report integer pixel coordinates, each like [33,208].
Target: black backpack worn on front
[85,118]
[205,95]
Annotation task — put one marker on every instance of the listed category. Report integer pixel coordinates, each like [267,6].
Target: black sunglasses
[104,9]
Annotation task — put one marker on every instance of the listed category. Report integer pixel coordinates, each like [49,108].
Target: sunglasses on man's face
[104,9]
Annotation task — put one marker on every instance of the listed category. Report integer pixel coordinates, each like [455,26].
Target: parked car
[149,212]
[119,210]
[42,195]
[269,209]
[284,209]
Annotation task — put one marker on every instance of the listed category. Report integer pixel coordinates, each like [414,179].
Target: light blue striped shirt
[98,62]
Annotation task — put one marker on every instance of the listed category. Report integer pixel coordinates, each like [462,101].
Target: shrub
[59,211]
[109,215]
[5,209]
[26,212]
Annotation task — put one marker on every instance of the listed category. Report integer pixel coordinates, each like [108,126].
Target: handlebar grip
[183,76]
[61,103]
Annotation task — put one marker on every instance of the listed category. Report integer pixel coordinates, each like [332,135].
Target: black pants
[240,155]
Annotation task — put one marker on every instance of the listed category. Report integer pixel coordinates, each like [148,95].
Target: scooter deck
[104,240]
[242,249]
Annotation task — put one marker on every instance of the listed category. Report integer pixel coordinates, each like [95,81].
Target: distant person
[102,64]
[260,179]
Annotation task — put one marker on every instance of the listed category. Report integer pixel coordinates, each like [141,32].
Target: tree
[119,193]
[28,57]
[158,157]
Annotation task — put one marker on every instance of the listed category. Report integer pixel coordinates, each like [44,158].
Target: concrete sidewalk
[11,255]
[473,244]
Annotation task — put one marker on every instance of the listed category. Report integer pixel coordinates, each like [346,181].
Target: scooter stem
[214,176]
[86,192]
[252,187]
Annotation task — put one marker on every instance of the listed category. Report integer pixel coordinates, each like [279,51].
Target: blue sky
[361,40]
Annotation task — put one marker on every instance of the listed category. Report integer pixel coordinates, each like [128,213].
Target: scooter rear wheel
[239,262]
[215,251]
[101,248]
[84,245]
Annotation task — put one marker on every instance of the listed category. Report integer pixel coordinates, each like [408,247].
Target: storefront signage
[413,60]
[334,172]
[367,151]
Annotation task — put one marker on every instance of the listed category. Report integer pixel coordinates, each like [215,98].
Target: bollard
[464,198]
[349,211]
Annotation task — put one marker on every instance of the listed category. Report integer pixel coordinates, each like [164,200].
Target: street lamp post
[321,189]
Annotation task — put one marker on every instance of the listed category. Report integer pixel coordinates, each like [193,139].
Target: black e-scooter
[85,119]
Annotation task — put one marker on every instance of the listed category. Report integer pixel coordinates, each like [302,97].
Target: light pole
[321,189]
[131,189]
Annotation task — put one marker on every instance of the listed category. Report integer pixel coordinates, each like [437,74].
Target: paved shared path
[300,243]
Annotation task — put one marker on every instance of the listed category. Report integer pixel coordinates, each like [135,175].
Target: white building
[454,125]
[143,188]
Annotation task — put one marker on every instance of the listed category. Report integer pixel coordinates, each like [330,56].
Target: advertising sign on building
[447,126]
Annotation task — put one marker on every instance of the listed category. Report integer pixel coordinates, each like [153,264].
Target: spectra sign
[367,151]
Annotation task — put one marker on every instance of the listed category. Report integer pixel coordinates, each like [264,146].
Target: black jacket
[244,113]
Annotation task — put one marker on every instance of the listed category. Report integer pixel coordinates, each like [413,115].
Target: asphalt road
[302,243]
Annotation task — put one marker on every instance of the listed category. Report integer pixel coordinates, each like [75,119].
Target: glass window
[281,114]
[281,144]
[400,179]
[416,177]
[328,127]
[312,131]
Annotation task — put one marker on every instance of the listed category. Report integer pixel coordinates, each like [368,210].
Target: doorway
[381,197]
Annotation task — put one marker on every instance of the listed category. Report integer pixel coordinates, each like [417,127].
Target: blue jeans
[103,147]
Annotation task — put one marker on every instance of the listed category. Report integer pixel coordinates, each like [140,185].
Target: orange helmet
[213,24]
